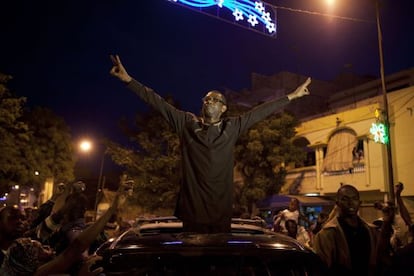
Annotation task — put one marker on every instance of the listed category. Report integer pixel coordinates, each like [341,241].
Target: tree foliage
[51,148]
[14,138]
[31,141]
[154,163]
[260,156]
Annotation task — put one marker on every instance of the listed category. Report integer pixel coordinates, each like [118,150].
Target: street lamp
[86,146]
[390,170]
[385,102]
[330,4]
[101,183]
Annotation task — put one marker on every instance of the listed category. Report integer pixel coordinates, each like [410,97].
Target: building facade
[345,151]
[335,131]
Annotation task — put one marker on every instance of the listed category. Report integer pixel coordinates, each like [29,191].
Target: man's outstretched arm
[301,91]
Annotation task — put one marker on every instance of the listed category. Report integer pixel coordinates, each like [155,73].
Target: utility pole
[99,186]
[385,101]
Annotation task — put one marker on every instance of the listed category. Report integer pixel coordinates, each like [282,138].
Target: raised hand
[398,188]
[301,91]
[118,70]
[124,190]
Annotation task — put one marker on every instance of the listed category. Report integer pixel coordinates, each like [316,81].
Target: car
[160,247]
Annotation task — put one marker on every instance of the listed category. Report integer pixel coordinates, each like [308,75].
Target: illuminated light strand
[254,12]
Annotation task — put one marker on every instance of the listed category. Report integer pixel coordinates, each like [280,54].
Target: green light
[380,133]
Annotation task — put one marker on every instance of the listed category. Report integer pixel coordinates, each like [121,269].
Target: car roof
[200,254]
[132,239]
[160,243]
[168,230]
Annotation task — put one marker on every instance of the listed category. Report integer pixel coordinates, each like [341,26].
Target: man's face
[213,105]
[348,202]
[12,223]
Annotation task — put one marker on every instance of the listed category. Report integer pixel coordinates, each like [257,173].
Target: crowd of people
[349,245]
[56,240]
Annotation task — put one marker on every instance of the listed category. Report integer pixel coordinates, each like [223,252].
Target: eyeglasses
[212,100]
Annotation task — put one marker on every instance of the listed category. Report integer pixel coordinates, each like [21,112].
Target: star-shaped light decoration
[379,132]
[259,6]
[238,15]
[271,27]
[256,12]
[253,20]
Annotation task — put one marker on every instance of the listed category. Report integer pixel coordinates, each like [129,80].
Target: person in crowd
[320,221]
[30,257]
[46,208]
[346,243]
[317,225]
[402,209]
[11,227]
[30,214]
[42,225]
[401,219]
[403,257]
[298,232]
[292,212]
[206,196]
[72,221]
[66,200]
[400,202]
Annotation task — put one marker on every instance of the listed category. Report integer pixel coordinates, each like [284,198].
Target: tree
[31,141]
[14,138]
[260,156]
[51,149]
[154,164]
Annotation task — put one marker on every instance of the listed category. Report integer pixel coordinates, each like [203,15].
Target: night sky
[58,51]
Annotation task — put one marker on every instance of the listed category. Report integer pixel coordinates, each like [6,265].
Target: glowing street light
[386,124]
[86,146]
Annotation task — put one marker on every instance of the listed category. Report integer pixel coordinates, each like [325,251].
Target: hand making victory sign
[118,70]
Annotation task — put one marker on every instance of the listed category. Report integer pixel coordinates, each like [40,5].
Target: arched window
[339,154]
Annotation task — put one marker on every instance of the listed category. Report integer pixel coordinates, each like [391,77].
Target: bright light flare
[330,5]
[85,146]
